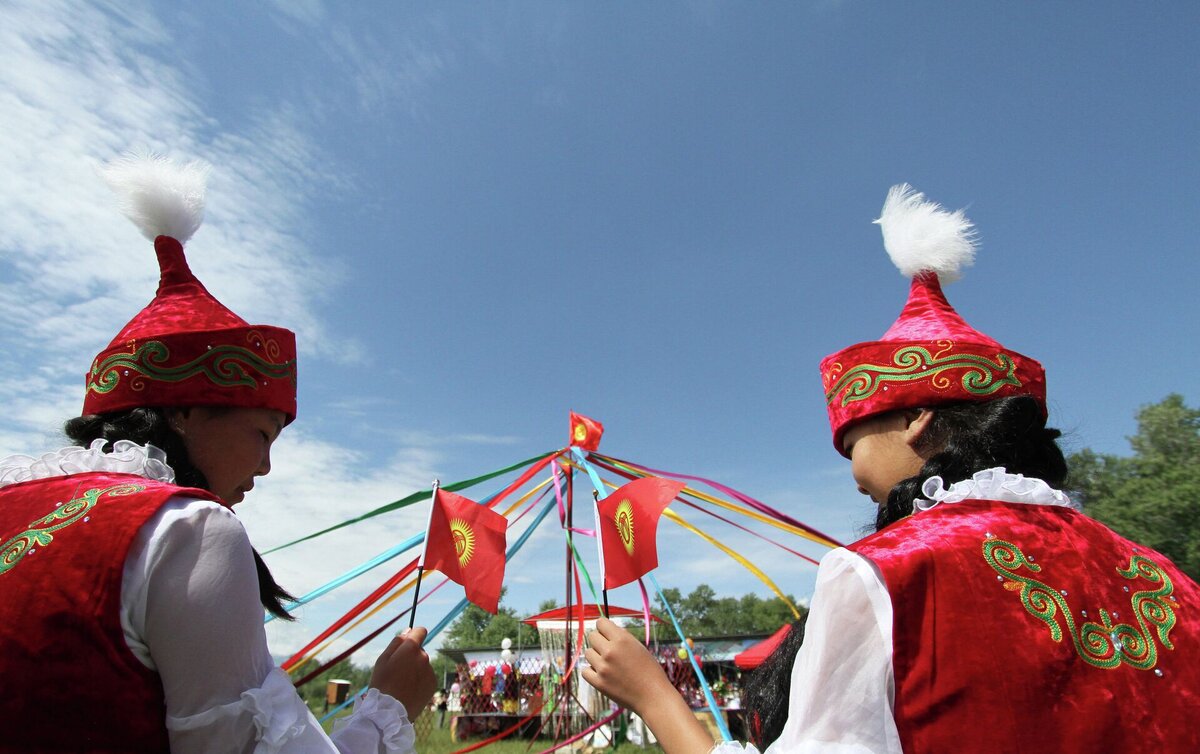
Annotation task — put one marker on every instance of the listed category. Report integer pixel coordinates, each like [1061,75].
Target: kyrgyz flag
[585,432]
[628,526]
[466,542]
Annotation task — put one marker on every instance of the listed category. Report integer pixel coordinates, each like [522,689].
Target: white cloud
[384,74]
[381,74]
[79,85]
[310,13]
[428,439]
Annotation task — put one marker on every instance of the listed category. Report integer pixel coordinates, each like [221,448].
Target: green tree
[444,669]
[702,613]
[313,692]
[1152,497]
[476,627]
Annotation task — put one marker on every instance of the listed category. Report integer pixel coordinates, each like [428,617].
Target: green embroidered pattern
[982,376]
[223,365]
[39,533]
[1105,644]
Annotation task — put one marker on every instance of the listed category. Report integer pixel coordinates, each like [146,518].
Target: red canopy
[754,655]
[584,612]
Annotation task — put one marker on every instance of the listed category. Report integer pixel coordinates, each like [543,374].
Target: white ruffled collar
[126,458]
[992,484]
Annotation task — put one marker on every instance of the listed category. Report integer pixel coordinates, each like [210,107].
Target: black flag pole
[412,614]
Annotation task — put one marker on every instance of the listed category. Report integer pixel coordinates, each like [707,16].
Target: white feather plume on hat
[921,236]
[161,197]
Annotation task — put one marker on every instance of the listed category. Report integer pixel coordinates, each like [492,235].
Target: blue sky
[478,217]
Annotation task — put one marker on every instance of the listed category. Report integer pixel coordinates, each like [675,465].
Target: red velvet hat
[185,348]
[930,356]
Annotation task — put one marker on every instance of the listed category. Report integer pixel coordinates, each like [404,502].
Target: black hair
[765,694]
[149,426]
[970,437]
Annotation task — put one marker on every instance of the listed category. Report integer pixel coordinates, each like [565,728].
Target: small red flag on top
[466,542]
[585,432]
[629,527]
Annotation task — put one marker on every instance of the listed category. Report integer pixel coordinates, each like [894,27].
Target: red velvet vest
[72,684]
[1031,628]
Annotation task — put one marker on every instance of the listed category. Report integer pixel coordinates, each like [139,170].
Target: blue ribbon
[708,697]
[374,562]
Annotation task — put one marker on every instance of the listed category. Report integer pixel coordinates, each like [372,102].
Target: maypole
[562,718]
[570,712]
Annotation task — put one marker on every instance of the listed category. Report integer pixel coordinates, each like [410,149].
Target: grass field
[434,740]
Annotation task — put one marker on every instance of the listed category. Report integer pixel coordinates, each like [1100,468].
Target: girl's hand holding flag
[625,671]
[403,671]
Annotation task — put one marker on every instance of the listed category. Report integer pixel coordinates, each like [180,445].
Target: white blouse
[190,610]
[843,688]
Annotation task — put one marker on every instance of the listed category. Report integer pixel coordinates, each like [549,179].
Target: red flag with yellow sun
[466,542]
[585,432]
[629,527]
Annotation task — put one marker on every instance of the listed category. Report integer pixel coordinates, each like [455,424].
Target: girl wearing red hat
[130,597]
[987,613]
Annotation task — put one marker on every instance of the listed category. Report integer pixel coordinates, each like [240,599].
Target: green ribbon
[415,497]
[583,569]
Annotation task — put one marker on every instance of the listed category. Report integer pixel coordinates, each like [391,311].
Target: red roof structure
[753,656]
[585,612]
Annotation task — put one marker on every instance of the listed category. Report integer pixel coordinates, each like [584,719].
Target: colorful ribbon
[774,513]
[416,497]
[708,696]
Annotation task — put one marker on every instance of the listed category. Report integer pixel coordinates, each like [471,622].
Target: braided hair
[149,426]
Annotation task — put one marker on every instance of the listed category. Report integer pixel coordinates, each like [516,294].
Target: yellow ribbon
[764,578]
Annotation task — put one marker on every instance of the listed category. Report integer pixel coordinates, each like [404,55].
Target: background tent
[754,656]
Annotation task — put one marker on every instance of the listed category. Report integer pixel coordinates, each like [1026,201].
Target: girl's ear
[177,418]
[916,423]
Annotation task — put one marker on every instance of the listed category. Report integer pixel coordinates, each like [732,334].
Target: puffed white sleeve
[190,610]
[842,687]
